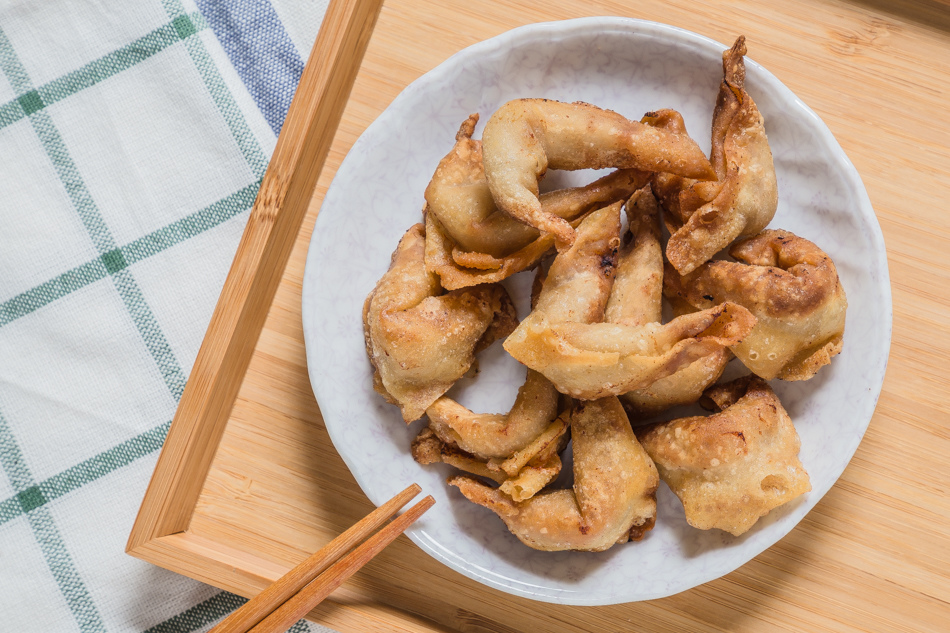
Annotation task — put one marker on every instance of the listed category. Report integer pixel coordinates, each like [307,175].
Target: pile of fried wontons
[597,350]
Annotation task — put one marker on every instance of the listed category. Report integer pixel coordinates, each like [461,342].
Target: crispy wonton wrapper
[563,339]
[526,137]
[705,217]
[494,435]
[520,475]
[792,288]
[636,299]
[459,197]
[733,467]
[613,499]
[469,241]
[419,340]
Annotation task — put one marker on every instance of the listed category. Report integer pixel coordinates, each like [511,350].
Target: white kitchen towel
[133,138]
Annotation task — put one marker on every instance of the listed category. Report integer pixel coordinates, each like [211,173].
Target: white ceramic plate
[632,67]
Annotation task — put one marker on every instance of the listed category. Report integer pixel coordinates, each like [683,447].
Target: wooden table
[874,554]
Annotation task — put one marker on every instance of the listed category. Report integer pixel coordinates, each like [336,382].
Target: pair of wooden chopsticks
[302,588]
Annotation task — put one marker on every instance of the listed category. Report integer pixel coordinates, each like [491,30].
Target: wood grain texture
[266,244]
[290,584]
[874,554]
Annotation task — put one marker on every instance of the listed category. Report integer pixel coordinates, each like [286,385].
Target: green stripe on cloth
[31,102]
[10,112]
[135,251]
[64,571]
[129,290]
[191,225]
[83,473]
[108,65]
[10,509]
[221,95]
[12,68]
[104,463]
[151,332]
[71,179]
[51,544]
[228,107]
[11,459]
[204,613]
[116,61]
[49,291]
[97,70]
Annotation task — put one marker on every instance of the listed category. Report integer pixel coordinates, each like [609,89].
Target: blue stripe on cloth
[260,50]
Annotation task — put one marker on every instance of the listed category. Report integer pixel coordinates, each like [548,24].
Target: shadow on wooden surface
[931,13]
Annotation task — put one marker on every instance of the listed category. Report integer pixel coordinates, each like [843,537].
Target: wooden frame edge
[210,562]
[228,568]
[248,292]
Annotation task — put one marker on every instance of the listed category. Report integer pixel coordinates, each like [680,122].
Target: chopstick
[292,596]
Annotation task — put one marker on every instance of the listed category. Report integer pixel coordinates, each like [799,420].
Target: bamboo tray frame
[248,483]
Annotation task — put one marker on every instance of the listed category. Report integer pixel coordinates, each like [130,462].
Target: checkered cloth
[133,139]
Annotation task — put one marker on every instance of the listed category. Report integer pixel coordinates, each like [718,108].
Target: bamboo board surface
[874,554]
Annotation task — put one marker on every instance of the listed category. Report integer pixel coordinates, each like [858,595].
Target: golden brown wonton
[518,449]
[459,196]
[419,339]
[526,137]
[614,493]
[733,467]
[705,217]
[590,361]
[520,475]
[682,387]
[470,241]
[587,359]
[494,435]
[792,288]
[636,299]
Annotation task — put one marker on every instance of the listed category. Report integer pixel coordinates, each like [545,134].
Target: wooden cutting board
[873,555]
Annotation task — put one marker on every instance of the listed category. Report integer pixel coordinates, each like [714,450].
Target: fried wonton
[519,449]
[637,293]
[636,299]
[682,387]
[590,361]
[494,435]
[443,258]
[459,196]
[577,285]
[614,495]
[733,467]
[419,339]
[526,137]
[587,359]
[792,288]
[470,241]
[704,217]
[520,475]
